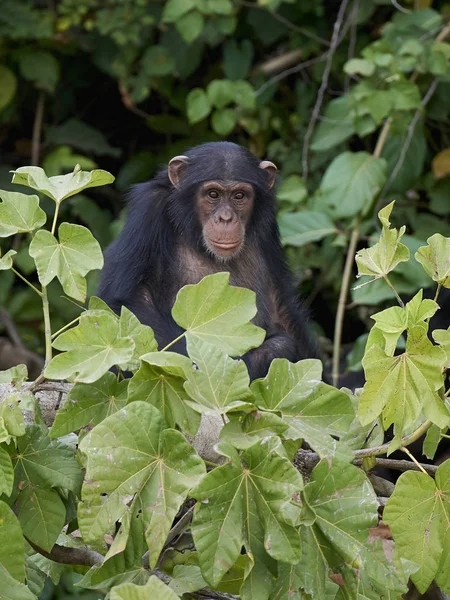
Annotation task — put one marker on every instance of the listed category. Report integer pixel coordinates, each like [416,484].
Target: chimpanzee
[210,210]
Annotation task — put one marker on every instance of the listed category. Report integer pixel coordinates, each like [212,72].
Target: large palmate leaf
[131,458]
[41,514]
[69,259]
[435,258]
[218,384]
[242,503]
[60,187]
[12,556]
[345,509]
[385,255]
[88,404]
[351,183]
[219,314]
[19,213]
[142,336]
[160,381]
[399,388]
[313,410]
[6,473]
[91,349]
[418,514]
[47,463]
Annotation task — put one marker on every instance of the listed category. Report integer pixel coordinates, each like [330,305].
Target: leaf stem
[66,326]
[406,441]
[438,289]
[55,218]
[177,339]
[47,327]
[338,326]
[26,281]
[412,457]
[399,300]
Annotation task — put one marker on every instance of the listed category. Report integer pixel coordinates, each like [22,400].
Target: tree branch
[70,556]
[326,74]
[400,465]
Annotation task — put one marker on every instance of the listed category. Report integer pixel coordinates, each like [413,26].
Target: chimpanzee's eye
[239,196]
[214,194]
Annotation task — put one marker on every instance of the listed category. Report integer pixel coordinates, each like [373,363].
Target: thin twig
[11,329]
[339,323]
[406,441]
[303,65]
[37,129]
[399,7]
[408,138]
[323,86]
[352,42]
[287,23]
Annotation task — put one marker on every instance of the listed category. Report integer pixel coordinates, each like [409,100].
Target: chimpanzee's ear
[175,169]
[271,171]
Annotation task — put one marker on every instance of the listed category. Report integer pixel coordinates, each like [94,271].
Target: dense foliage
[350,100]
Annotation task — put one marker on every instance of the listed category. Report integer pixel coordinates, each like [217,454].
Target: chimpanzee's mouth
[225,245]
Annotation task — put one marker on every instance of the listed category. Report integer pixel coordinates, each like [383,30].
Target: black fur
[143,271]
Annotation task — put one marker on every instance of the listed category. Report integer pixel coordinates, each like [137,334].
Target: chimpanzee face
[224,210]
[223,207]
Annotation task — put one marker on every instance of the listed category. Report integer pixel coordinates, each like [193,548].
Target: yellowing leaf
[441,163]
[435,258]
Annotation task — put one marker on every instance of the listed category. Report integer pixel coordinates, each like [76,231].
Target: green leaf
[6,260]
[313,410]
[89,404]
[91,349]
[219,313]
[190,26]
[257,425]
[401,387]
[162,386]
[345,508]
[406,95]
[241,503]
[385,255]
[435,259]
[12,556]
[244,95]
[360,66]
[11,416]
[335,128]
[219,384]
[298,229]
[187,578]
[198,105]
[442,337]
[174,9]
[351,183]
[69,259]
[8,86]
[41,514]
[142,336]
[154,588]
[223,121]
[220,92]
[392,322]
[292,190]
[6,473]
[237,58]
[157,61]
[41,68]
[46,463]
[131,458]
[19,213]
[60,187]
[419,500]
[13,589]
